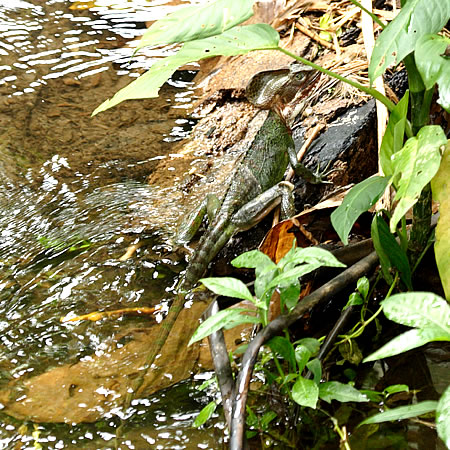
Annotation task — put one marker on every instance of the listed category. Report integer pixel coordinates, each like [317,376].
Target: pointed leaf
[310,255]
[418,309]
[305,392]
[434,66]
[228,318]
[236,41]
[398,39]
[230,287]
[205,414]
[440,187]
[283,347]
[360,198]
[443,417]
[393,137]
[416,164]
[333,390]
[252,260]
[402,412]
[316,369]
[197,22]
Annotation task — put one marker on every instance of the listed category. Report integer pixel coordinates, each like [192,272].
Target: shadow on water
[72,197]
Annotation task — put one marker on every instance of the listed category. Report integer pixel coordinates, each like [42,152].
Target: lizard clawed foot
[321,176]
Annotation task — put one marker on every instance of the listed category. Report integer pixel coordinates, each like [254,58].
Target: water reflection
[73,197]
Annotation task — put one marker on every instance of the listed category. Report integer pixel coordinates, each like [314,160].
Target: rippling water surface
[72,198]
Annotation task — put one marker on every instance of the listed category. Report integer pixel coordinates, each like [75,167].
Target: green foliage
[399,38]
[360,198]
[197,22]
[443,417]
[428,313]
[235,41]
[205,414]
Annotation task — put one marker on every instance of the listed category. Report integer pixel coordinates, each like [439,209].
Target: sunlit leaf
[236,41]
[252,260]
[443,417]
[228,318]
[305,392]
[393,137]
[197,22]
[359,199]
[415,165]
[310,255]
[333,390]
[230,287]
[302,355]
[315,367]
[440,186]
[402,412]
[433,66]
[205,414]
[398,39]
[396,388]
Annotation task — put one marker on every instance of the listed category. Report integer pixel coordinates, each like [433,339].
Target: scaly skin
[262,168]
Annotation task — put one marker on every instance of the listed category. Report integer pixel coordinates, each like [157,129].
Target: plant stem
[368,90]
[371,14]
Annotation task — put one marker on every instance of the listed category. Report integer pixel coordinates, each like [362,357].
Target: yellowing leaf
[440,185]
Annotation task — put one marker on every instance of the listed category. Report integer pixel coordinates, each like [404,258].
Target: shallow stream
[73,194]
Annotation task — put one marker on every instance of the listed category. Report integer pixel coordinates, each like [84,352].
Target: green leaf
[402,412]
[440,187]
[267,418]
[398,39]
[395,389]
[302,355]
[443,417]
[230,287]
[407,341]
[386,245]
[312,344]
[316,369]
[433,66]
[205,414]
[197,22]
[252,260]
[416,164]
[333,390]
[236,41]
[289,295]
[362,285]
[418,309]
[305,392]
[354,299]
[283,347]
[228,318]
[360,198]
[393,137]
[312,255]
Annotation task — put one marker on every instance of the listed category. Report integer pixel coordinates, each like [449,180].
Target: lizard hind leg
[191,223]
[255,210]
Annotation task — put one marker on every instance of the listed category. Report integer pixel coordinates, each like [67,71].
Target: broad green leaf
[433,66]
[407,341]
[385,244]
[440,186]
[292,275]
[267,418]
[289,295]
[305,392]
[395,389]
[205,414]
[393,137]
[353,300]
[263,278]
[375,231]
[312,344]
[402,412]
[360,198]
[316,369]
[197,22]
[416,164]
[236,41]
[230,287]
[252,260]
[333,390]
[418,309]
[363,285]
[398,39]
[228,318]
[302,355]
[443,417]
[311,255]
[283,347]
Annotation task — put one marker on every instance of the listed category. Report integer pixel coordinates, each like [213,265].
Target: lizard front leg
[255,210]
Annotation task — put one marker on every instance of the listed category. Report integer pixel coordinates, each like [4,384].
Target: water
[73,197]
